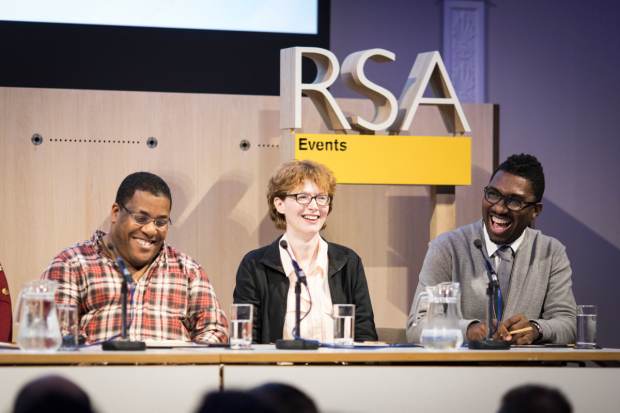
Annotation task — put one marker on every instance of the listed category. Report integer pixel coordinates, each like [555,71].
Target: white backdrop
[279,16]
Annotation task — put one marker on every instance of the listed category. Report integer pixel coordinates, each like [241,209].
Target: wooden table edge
[109,359]
[422,357]
[311,357]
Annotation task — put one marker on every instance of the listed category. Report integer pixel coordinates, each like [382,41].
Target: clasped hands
[478,331]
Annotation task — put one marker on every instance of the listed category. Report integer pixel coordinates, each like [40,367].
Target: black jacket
[261,281]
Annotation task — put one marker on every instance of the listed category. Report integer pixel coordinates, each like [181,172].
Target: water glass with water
[586,326]
[69,327]
[344,324]
[241,326]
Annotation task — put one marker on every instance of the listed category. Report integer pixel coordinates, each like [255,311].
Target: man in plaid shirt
[173,298]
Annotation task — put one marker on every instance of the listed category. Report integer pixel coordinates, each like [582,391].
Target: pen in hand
[521,330]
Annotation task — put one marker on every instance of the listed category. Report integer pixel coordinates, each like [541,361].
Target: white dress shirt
[319,324]
[493,247]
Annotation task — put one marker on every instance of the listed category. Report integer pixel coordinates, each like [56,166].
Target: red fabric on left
[6,313]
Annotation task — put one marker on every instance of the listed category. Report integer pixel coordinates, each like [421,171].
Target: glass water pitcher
[441,330]
[35,313]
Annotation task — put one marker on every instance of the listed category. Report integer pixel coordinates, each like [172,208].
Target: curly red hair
[291,176]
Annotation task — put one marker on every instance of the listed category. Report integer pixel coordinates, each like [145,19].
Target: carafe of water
[441,331]
[35,313]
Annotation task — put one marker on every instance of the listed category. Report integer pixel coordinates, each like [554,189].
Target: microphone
[492,288]
[121,264]
[124,344]
[298,343]
[298,271]
[490,271]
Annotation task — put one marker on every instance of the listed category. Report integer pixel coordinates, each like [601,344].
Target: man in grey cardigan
[533,269]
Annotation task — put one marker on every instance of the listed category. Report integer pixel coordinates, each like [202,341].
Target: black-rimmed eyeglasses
[305,199]
[142,220]
[515,204]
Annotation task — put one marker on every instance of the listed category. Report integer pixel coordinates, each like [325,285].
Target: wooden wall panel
[58,193]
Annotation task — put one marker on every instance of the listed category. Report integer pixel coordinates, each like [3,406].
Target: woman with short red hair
[300,197]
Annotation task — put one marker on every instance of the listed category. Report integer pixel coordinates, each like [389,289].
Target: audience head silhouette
[52,394]
[233,401]
[534,399]
[287,399]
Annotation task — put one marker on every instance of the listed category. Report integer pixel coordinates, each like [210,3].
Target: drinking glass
[344,324]
[241,326]
[586,326]
[69,327]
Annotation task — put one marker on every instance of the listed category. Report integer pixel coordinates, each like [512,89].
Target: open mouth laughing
[500,224]
[143,242]
[311,218]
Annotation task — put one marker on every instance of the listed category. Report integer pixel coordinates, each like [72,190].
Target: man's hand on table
[517,322]
[478,331]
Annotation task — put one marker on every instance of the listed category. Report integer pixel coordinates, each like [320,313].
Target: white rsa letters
[389,114]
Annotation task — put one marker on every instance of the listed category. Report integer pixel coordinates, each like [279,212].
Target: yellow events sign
[390,159]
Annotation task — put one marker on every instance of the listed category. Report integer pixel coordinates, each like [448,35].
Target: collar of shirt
[493,247]
[97,241]
[287,265]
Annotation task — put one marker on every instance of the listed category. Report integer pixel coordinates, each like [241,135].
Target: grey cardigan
[540,285]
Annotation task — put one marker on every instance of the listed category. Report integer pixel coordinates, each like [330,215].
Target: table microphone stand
[124,344]
[489,343]
[492,288]
[296,344]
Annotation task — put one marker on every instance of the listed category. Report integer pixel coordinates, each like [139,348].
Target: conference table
[339,380]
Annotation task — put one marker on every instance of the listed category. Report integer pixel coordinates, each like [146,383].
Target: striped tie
[504,269]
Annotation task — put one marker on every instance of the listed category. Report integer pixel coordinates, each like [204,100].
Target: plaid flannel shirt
[173,300]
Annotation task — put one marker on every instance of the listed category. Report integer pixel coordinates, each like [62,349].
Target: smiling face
[505,225]
[303,221]
[138,244]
